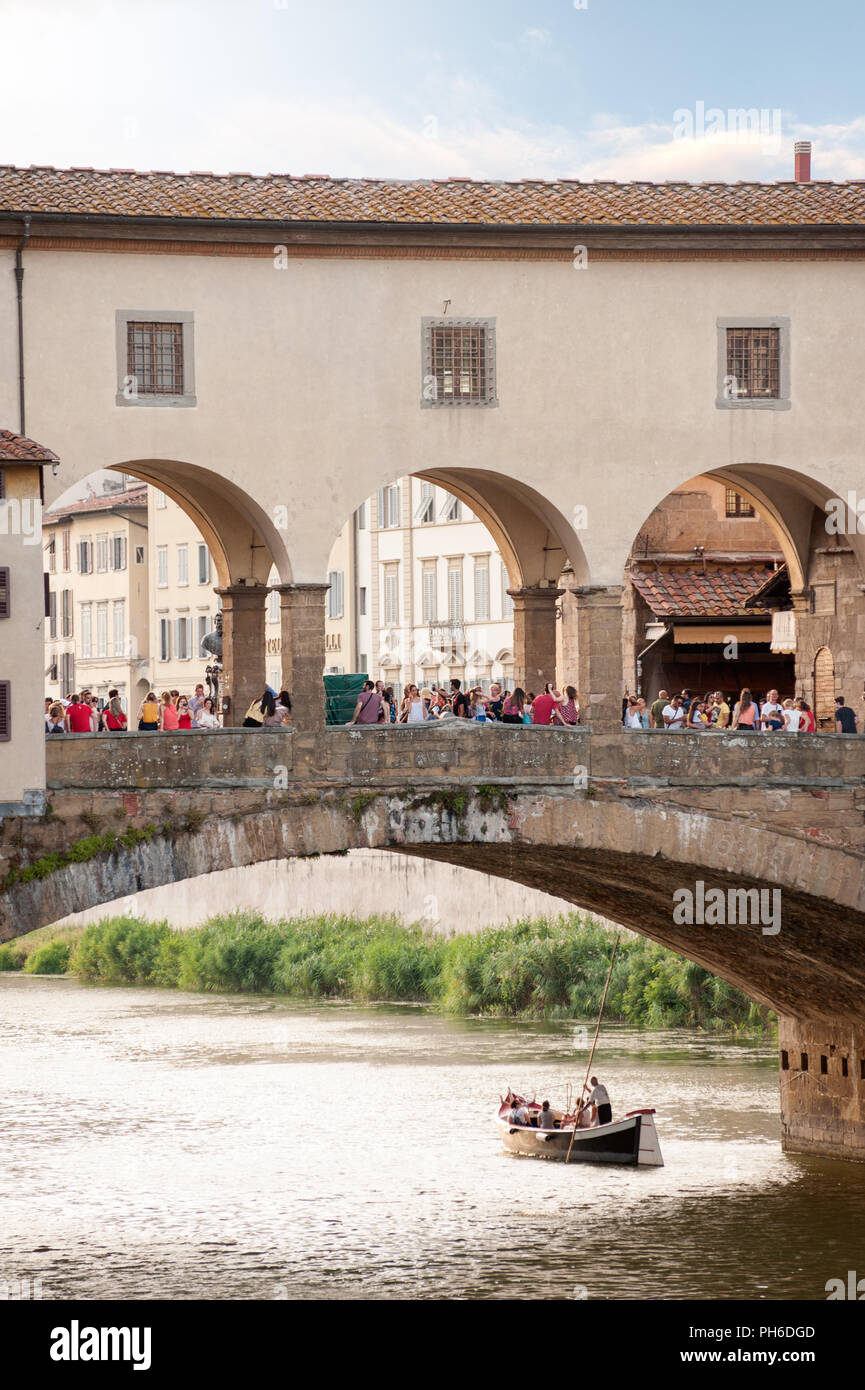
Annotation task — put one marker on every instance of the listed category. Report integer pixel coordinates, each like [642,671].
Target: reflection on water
[185,1146]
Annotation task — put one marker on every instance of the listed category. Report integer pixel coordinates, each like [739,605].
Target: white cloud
[536,37]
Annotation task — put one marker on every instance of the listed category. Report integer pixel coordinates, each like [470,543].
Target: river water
[165,1145]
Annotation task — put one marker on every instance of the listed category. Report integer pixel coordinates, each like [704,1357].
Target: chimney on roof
[802,159]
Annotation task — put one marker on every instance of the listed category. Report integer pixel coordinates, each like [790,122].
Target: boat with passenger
[571,1138]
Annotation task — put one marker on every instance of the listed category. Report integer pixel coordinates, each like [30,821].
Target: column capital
[300,590]
[256,593]
[534,593]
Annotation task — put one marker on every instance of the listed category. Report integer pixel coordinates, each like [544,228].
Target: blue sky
[406,88]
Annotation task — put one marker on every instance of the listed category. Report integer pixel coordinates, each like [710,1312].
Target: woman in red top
[184,713]
[114,720]
[167,714]
[810,725]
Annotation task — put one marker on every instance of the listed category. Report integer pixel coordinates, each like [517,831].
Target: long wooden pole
[594,1044]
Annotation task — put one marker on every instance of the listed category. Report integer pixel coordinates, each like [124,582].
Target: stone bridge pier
[764,838]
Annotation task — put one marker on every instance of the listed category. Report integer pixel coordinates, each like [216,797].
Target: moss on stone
[359,804]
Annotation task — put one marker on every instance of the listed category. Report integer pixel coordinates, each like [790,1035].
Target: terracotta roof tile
[687,591]
[284,198]
[131,498]
[17,448]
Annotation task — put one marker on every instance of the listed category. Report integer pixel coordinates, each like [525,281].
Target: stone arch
[245,544]
[535,540]
[243,539]
[624,857]
[788,499]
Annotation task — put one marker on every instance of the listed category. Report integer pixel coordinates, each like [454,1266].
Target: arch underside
[812,967]
[242,539]
[800,971]
[787,501]
[535,540]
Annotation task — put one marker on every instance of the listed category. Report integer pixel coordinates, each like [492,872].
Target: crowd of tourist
[377,704]
[84,713]
[716,711]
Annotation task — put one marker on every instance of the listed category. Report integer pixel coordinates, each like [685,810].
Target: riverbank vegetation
[531,969]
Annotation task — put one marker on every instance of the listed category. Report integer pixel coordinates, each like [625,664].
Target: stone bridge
[616,823]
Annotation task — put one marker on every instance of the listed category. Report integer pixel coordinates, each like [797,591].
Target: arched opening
[706,573]
[823,689]
[435,575]
[146,560]
[737,578]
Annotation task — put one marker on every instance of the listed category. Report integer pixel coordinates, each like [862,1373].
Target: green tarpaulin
[341,694]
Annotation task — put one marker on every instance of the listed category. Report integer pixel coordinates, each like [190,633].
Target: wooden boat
[633,1140]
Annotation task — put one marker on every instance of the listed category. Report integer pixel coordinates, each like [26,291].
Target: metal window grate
[5,711]
[5,607]
[737,505]
[753,362]
[459,363]
[154,357]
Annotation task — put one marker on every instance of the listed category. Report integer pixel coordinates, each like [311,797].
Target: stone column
[535,636]
[243,657]
[822,1066]
[599,651]
[805,645]
[303,651]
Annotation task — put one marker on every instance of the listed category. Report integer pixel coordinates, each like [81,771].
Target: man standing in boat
[599,1097]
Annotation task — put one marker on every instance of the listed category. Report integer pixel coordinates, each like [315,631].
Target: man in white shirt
[674,715]
[518,1115]
[771,713]
[599,1097]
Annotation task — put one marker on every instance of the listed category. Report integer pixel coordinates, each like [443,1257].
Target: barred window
[5,608]
[459,362]
[753,363]
[737,505]
[154,357]
[5,711]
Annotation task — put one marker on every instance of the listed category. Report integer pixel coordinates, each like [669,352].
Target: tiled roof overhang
[87,198]
[17,448]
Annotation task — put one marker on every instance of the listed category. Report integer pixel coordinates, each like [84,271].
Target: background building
[182,603]
[98,632]
[22,613]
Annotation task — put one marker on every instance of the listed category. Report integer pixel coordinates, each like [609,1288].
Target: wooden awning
[716,634]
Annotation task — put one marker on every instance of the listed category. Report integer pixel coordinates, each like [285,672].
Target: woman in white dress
[206,717]
[414,707]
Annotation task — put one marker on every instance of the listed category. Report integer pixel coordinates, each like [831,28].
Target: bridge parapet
[452,752]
